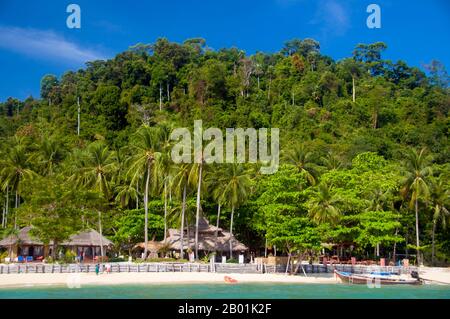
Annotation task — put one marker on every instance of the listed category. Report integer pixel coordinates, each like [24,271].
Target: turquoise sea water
[226,291]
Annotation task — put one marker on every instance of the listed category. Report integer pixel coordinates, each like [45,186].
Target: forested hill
[306,94]
[364,147]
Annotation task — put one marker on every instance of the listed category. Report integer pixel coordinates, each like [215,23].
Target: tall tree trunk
[168,93]
[265,248]
[78,116]
[160,97]
[147,182]
[16,207]
[197,216]
[231,231]
[55,245]
[288,263]
[101,233]
[217,228]
[165,210]
[7,205]
[3,217]
[395,247]
[419,257]
[299,262]
[353,89]
[137,194]
[375,119]
[432,242]
[268,91]
[183,210]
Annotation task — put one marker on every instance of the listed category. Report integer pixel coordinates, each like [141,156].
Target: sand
[435,275]
[9,280]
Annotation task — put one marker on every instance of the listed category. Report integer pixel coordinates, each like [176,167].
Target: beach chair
[29,258]
[20,259]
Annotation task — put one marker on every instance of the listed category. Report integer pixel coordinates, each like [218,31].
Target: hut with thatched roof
[153,248]
[23,244]
[87,243]
[206,239]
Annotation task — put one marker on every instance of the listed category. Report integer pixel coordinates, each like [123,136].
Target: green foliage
[347,174]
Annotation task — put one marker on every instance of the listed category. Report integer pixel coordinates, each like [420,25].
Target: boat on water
[383,278]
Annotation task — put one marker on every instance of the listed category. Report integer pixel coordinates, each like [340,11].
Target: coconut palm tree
[15,170]
[439,200]
[181,186]
[95,169]
[323,206]
[216,186]
[237,182]
[164,167]
[196,178]
[146,147]
[332,161]
[49,153]
[416,184]
[301,158]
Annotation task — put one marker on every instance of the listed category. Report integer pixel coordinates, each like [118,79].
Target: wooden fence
[194,267]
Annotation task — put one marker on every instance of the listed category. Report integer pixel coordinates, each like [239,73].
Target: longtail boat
[375,278]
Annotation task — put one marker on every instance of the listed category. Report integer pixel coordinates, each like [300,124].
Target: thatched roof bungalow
[153,248]
[206,239]
[86,243]
[23,244]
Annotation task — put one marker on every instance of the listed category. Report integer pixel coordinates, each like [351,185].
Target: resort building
[87,244]
[25,247]
[153,247]
[206,240]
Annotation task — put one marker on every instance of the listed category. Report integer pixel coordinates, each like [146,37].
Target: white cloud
[45,44]
[332,16]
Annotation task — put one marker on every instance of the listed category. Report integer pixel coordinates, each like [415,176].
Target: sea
[228,291]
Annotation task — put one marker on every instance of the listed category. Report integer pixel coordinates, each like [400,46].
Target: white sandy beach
[8,280]
[437,275]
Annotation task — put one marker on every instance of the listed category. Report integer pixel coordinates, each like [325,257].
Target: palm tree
[16,170]
[323,207]
[439,202]
[301,158]
[125,192]
[237,182]
[332,161]
[416,184]
[217,187]
[165,167]
[49,153]
[95,169]
[196,177]
[146,146]
[181,184]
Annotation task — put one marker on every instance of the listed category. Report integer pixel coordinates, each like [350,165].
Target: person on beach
[108,268]
[97,269]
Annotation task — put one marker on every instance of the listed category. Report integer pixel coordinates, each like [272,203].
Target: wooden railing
[194,267]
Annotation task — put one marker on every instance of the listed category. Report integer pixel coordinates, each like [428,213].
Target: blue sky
[34,38]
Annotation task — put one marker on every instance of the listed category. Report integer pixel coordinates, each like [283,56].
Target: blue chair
[20,259]
[29,258]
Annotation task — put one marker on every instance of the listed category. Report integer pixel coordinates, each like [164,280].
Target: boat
[229,280]
[383,278]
